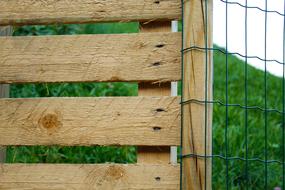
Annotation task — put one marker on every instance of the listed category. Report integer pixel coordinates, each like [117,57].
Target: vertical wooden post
[154,154]
[197,122]
[4,89]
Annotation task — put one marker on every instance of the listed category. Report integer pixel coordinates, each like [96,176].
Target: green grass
[255,124]
[236,127]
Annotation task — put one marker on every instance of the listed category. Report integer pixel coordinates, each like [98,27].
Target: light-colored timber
[89,177]
[88,58]
[154,154]
[150,121]
[23,12]
[196,126]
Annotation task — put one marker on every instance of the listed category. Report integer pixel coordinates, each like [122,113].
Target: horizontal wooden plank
[146,121]
[15,12]
[82,177]
[85,58]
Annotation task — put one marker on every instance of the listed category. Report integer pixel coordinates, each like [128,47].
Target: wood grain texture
[196,124]
[154,155]
[86,58]
[89,177]
[149,121]
[15,12]
[4,88]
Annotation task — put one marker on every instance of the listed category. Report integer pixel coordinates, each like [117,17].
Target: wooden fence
[150,121]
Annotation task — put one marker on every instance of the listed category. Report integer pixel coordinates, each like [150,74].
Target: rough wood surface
[154,154]
[89,177]
[4,88]
[83,11]
[84,58]
[195,175]
[146,121]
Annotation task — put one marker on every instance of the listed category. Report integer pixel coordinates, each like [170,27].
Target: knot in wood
[51,122]
[115,172]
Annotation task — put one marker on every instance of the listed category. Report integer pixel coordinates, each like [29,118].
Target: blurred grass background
[236,127]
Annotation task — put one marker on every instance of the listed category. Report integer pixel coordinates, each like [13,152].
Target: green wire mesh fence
[249,106]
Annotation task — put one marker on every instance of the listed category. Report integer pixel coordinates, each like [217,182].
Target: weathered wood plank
[146,121]
[89,177]
[4,89]
[15,12]
[197,126]
[85,58]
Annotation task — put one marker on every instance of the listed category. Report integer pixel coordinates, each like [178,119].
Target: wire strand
[253,7]
[265,101]
[246,98]
[230,53]
[227,99]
